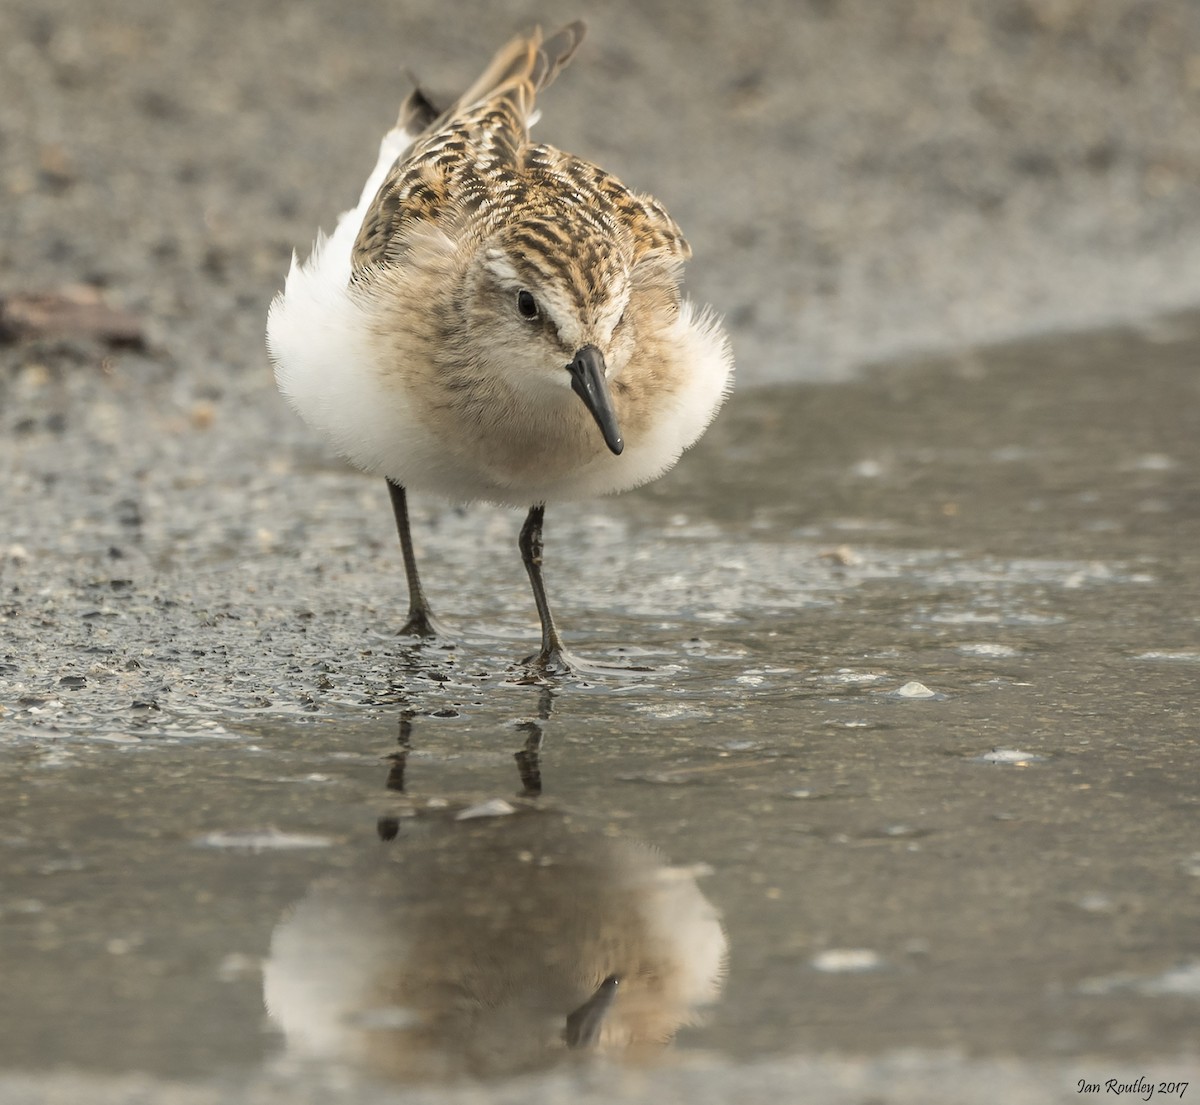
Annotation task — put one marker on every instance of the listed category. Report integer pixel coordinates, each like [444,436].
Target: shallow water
[919,727]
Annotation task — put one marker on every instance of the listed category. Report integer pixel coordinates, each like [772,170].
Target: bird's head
[549,299]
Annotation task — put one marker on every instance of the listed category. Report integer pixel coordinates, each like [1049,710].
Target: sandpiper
[498,320]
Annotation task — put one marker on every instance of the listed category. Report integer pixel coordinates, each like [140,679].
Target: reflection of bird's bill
[474,947]
[583,1026]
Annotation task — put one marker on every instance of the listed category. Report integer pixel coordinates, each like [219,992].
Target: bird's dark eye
[527,306]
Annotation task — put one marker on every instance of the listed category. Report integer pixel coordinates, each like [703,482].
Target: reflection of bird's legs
[529,764]
[399,758]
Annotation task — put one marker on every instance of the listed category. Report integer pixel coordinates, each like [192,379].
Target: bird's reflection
[399,759]
[489,940]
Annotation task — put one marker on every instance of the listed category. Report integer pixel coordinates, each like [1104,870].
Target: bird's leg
[553,658]
[421,622]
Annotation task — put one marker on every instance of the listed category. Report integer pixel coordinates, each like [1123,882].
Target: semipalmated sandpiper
[498,320]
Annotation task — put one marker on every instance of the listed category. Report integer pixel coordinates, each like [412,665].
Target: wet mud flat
[918,735]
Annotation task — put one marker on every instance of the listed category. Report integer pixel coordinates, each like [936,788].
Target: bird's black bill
[591,385]
[583,1026]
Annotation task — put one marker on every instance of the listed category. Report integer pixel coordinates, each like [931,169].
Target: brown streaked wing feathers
[519,70]
[660,234]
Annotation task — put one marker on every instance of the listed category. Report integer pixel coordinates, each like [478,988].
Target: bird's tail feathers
[522,68]
[417,113]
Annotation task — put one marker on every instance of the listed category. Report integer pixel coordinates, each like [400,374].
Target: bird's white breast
[318,337]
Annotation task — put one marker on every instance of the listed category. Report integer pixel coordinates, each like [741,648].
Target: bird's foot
[550,663]
[557,662]
[422,624]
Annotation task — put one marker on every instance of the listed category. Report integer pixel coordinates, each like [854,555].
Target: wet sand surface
[903,807]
